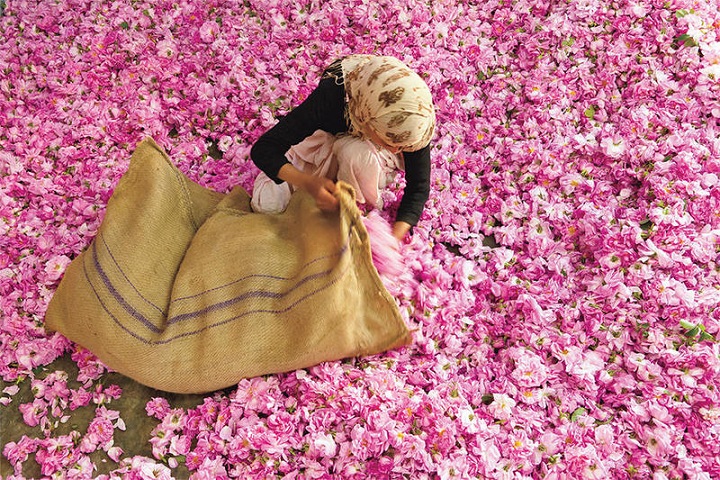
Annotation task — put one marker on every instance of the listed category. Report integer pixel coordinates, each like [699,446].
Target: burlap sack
[186,291]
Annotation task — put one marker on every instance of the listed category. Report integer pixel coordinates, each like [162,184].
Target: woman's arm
[322,110]
[417,189]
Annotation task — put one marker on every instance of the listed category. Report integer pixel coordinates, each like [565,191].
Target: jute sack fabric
[189,291]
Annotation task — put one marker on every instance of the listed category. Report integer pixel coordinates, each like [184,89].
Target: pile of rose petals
[562,285]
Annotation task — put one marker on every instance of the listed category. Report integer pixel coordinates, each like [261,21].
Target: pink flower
[613,146]
[100,432]
[520,445]
[79,398]
[33,413]
[225,143]
[323,445]
[210,469]
[148,469]
[179,445]
[530,371]
[257,394]
[55,267]
[157,407]
[605,437]
[166,48]
[209,31]
[502,406]
[82,468]
[660,441]
[19,452]
[385,247]
[583,364]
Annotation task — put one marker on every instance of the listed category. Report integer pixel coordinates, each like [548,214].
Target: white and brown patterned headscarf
[386,97]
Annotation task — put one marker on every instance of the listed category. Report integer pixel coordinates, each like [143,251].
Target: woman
[369,116]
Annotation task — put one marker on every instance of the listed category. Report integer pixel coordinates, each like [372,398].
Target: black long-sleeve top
[324,109]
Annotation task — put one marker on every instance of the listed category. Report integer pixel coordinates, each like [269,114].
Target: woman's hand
[322,189]
[400,229]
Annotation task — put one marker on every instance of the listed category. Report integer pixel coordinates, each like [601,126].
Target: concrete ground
[131,405]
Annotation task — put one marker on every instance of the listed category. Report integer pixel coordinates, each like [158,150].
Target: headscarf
[386,97]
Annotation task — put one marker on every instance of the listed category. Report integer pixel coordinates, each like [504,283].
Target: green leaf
[687,325]
[693,331]
[487,399]
[577,413]
[125,26]
[590,112]
[706,336]
[687,40]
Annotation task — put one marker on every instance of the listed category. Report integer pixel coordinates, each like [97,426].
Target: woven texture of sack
[188,291]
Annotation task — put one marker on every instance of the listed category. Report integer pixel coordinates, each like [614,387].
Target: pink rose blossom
[209,31]
[502,406]
[34,412]
[324,445]
[529,371]
[157,407]
[56,266]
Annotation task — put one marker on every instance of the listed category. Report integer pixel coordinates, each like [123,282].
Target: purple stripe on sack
[107,310]
[135,314]
[339,253]
[117,265]
[247,296]
[252,312]
[118,297]
[208,327]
